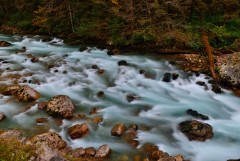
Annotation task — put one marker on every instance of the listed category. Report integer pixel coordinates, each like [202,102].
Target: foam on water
[158,108]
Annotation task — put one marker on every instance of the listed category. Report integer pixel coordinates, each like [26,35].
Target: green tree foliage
[166,23]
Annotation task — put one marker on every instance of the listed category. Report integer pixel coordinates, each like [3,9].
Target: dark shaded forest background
[166,23]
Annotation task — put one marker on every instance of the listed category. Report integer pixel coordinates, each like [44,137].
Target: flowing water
[158,109]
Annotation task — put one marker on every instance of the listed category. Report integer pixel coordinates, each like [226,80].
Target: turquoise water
[158,109]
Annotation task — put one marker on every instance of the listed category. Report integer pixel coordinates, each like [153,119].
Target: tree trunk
[210,55]
[70,14]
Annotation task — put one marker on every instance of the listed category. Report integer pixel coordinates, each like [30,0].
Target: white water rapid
[158,109]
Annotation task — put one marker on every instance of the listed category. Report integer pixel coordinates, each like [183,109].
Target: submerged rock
[166,77]
[103,151]
[122,63]
[61,106]
[78,130]
[216,88]
[27,94]
[196,114]
[175,76]
[196,130]
[2,116]
[230,72]
[118,129]
[4,44]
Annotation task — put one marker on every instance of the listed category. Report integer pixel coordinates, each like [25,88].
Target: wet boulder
[2,116]
[230,72]
[41,120]
[4,44]
[10,90]
[166,77]
[103,151]
[200,83]
[196,130]
[42,105]
[78,130]
[216,88]
[27,94]
[60,106]
[90,152]
[118,130]
[175,76]
[79,152]
[122,63]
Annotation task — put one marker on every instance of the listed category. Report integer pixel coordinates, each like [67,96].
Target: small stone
[42,105]
[175,76]
[133,127]
[103,151]
[2,116]
[178,158]
[98,120]
[79,152]
[78,130]
[134,143]
[41,120]
[34,59]
[101,71]
[201,83]
[94,66]
[122,63]
[90,151]
[141,71]
[118,129]
[93,111]
[166,77]
[100,93]
[50,66]
[196,114]
[131,98]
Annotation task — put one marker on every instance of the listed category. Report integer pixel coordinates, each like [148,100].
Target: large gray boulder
[230,72]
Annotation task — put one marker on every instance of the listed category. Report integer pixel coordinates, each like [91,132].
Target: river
[158,108]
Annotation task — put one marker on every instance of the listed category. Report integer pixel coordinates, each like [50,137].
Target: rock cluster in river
[60,106]
[196,130]
[22,93]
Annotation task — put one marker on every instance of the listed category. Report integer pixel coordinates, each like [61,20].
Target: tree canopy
[166,23]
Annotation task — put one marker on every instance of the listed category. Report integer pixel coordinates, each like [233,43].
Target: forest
[175,24]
